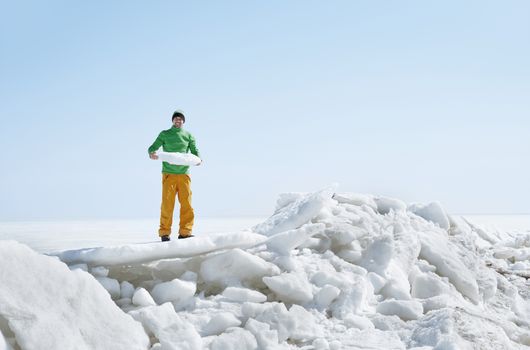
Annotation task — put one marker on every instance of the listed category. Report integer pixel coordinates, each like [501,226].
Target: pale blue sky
[419,100]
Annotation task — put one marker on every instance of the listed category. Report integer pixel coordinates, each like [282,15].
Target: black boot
[165,238]
[182,237]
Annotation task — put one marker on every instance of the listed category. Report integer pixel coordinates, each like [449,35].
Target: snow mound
[50,307]
[325,271]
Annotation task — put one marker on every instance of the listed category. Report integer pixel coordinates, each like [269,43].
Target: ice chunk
[234,266]
[376,280]
[41,298]
[219,323]
[287,198]
[99,271]
[123,302]
[306,326]
[358,322]
[440,330]
[427,285]
[326,295]
[376,257]
[284,242]
[514,254]
[290,287]
[320,344]
[142,297]
[297,324]
[323,277]
[266,337]
[176,291]
[342,234]
[353,298]
[111,285]
[296,214]
[437,302]
[189,276]
[404,309]
[393,289]
[4,345]
[126,290]
[356,199]
[243,294]
[335,345]
[386,204]
[273,314]
[83,267]
[169,328]
[235,339]
[178,158]
[432,212]
[441,253]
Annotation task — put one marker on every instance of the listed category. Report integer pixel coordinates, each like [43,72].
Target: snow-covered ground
[326,271]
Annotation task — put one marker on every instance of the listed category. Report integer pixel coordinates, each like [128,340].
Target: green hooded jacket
[175,140]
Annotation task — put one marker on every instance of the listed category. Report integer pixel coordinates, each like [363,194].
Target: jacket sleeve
[193,146]
[156,145]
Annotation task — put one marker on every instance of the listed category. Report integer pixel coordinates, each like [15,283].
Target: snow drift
[326,271]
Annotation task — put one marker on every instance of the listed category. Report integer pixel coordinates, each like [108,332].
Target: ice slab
[139,253]
[178,158]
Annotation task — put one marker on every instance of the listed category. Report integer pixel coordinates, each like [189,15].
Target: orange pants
[173,184]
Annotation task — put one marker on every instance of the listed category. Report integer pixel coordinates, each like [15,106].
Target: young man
[175,178]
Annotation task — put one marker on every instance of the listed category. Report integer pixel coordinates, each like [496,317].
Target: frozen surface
[326,271]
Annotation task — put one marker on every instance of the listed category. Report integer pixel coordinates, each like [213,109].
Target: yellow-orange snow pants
[172,185]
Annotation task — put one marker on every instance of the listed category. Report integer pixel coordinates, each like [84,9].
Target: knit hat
[178,114]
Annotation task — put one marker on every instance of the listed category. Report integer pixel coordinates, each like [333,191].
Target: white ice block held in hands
[178,158]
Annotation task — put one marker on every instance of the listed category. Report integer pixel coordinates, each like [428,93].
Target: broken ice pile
[326,271]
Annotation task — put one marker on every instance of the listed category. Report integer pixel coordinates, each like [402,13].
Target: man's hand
[153,155]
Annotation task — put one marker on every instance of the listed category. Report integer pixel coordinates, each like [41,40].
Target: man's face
[177,122]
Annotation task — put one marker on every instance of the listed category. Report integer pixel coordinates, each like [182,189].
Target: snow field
[325,271]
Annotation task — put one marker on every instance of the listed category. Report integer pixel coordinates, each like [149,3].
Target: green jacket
[175,140]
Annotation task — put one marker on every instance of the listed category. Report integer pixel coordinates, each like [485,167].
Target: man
[175,178]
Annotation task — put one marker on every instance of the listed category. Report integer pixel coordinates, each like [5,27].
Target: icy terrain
[326,271]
